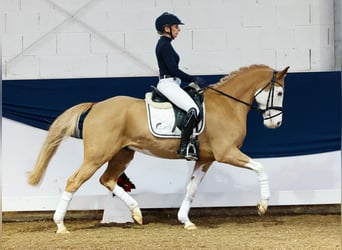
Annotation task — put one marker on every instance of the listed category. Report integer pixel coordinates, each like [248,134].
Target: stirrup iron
[191,152]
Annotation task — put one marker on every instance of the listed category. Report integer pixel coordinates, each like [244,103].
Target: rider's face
[174,30]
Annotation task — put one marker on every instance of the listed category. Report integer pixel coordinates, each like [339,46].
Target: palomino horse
[117,127]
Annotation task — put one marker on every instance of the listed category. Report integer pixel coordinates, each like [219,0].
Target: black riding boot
[189,150]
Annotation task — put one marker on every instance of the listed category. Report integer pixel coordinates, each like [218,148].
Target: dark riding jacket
[168,61]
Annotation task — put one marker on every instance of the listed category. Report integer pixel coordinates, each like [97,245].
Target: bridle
[269,103]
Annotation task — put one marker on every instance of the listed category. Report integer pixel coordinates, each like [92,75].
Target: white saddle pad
[161,119]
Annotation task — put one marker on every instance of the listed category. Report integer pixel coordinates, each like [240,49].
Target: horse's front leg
[237,158]
[200,169]
[264,185]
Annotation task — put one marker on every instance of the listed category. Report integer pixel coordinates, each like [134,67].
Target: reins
[269,99]
[234,98]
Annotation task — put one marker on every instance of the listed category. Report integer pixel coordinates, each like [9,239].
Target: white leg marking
[130,202]
[60,212]
[264,186]
[183,213]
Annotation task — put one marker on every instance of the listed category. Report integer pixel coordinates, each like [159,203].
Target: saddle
[165,118]
[196,95]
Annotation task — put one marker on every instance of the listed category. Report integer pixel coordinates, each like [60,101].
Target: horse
[115,128]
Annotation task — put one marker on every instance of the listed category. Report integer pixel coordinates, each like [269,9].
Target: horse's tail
[64,126]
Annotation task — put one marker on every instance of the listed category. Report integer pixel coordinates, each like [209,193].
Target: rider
[170,77]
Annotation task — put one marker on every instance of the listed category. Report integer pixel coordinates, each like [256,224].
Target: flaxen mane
[233,74]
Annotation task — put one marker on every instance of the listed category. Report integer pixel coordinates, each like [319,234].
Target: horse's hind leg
[115,168]
[84,172]
[200,169]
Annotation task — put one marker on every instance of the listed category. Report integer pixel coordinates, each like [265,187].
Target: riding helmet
[166,19]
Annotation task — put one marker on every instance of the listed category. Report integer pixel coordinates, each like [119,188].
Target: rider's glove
[199,81]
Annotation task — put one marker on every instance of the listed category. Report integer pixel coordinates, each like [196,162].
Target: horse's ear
[282,73]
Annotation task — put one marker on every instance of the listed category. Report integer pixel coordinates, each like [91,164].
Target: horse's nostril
[278,124]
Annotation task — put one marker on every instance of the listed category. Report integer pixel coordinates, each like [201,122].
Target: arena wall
[160,183]
[116,38]
[302,157]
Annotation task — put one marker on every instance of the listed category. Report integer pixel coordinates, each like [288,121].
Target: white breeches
[170,87]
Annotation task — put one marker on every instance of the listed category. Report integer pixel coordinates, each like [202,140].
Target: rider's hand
[199,81]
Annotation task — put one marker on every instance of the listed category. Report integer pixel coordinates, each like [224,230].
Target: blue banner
[311,119]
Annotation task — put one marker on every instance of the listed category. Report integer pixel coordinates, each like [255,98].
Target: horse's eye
[279,93]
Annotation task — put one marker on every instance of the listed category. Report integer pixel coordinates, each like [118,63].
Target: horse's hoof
[137,216]
[62,231]
[190,226]
[138,219]
[261,209]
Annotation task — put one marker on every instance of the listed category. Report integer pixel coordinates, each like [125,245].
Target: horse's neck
[241,87]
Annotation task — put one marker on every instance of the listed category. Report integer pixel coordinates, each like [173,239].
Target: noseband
[269,104]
